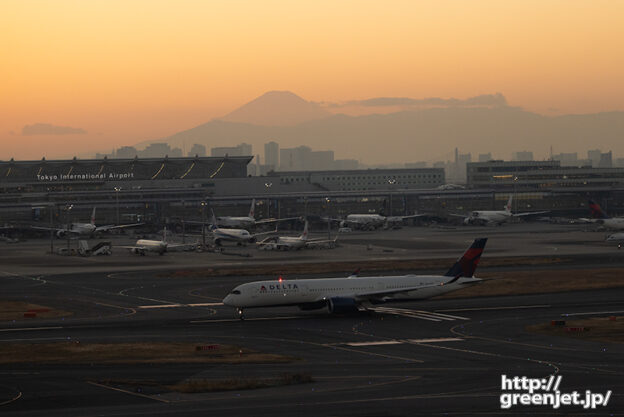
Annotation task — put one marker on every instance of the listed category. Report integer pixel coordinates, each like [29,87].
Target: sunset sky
[128,71]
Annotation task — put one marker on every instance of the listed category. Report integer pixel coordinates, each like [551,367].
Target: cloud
[484,100]
[50,129]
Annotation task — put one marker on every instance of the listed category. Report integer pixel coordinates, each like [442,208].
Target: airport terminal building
[158,190]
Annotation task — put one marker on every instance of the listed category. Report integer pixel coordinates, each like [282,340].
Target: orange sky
[127,71]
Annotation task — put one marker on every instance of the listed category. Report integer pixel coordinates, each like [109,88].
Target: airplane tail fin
[213,220]
[597,211]
[508,205]
[252,209]
[304,235]
[467,264]
[93,216]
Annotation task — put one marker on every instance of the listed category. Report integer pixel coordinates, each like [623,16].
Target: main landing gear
[241,315]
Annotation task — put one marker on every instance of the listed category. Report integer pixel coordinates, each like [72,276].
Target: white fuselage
[232,235]
[159,246]
[237,222]
[489,216]
[616,223]
[304,291]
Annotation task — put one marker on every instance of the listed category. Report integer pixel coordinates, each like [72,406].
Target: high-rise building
[484,157]
[197,150]
[522,156]
[271,154]
[244,149]
[594,156]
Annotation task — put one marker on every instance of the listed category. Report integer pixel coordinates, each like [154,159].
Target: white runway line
[418,314]
[378,343]
[400,342]
[152,306]
[591,313]
[27,329]
[495,308]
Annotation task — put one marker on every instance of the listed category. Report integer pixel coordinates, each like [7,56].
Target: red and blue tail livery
[596,211]
[467,264]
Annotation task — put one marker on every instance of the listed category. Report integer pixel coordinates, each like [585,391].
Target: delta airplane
[293,242]
[345,295]
[245,222]
[239,236]
[496,217]
[84,229]
[601,217]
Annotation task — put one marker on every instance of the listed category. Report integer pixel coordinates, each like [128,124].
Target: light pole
[203,209]
[68,228]
[51,209]
[268,186]
[327,201]
[117,190]
[391,182]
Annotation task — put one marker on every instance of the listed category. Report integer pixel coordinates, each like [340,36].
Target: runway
[429,357]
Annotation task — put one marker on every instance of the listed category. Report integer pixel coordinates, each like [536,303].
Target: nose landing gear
[241,315]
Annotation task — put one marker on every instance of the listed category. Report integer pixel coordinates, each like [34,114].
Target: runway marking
[152,306]
[132,310]
[17,397]
[378,343]
[247,319]
[495,308]
[26,329]
[400,342]
[591,313]
[37,339]
[436,340]
[137,394]
[418,314]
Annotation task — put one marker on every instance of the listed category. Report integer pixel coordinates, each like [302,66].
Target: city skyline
[91,76]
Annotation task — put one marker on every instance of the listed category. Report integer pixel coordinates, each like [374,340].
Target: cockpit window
[237,292]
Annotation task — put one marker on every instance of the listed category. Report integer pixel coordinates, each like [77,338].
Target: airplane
[371,221]
[496,217]
[616,238]
[84,229]
[293,242]
[143,246]
[245,222]
[239,236]
[601,217]
[345,295]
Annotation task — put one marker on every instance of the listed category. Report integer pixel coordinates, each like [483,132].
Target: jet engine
[341,305]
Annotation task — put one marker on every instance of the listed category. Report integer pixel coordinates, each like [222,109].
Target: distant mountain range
[405,136]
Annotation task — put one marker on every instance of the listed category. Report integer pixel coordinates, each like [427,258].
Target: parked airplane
[344,295]
[239,236]
[143,246]
[294,242]
[601,217]
[497,217]
[245,222]
[84,229]
[616,238]
[371,221]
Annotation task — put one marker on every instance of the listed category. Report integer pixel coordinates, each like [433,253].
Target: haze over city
[86,77]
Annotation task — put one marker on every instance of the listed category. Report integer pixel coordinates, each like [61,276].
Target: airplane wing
[265,233]
[412,216]
[376,295]
[530,213]
[457,215]
[111,227]
[265,221]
